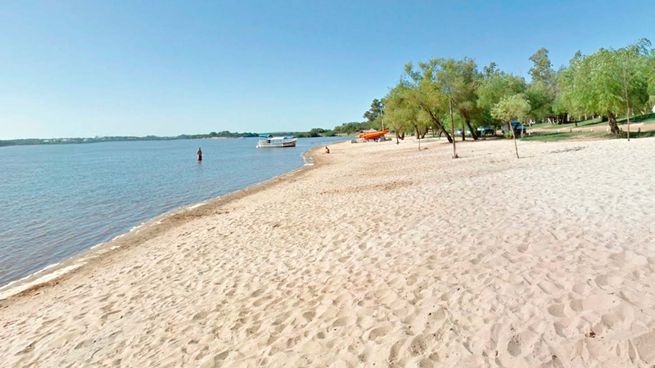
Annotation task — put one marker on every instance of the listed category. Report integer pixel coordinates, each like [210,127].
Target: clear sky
[93,68]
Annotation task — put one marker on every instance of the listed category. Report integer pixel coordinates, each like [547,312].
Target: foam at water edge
[308,160]
[196,205]
[9,291]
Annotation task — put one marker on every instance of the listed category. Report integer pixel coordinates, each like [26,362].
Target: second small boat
[276,142]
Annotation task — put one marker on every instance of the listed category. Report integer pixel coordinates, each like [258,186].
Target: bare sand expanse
[381,256]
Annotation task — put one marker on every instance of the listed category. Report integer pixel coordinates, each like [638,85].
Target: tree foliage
[461,81]
[512,107]
[352,127]
[541,92]
[495,85]
[650,67]
[402,113]
[542,69]
[375,112]
[608,82]
[426,91]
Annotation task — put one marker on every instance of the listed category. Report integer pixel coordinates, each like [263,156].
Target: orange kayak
[373,135]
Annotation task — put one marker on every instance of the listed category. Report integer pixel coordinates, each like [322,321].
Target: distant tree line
[223,134]
[43,141]
[316,132]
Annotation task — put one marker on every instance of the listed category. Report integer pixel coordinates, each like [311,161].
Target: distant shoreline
[56,141]
[213,135]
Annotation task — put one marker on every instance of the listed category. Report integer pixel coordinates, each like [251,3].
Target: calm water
[56,201]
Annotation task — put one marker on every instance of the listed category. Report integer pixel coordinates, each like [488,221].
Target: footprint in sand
[339,322]
[309,315]
[378,332]
[393,352]
[514,346]
[418,346]
[577,305]
[557,310]
[199,316]
[561,328]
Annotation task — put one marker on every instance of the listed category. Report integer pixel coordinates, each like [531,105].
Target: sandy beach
[379,256]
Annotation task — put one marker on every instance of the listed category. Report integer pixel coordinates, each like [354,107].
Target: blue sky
[87,68]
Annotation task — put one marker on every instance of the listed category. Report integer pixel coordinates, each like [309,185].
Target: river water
[58,200]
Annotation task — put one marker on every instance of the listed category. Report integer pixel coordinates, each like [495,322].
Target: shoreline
[384,256]
[138,234]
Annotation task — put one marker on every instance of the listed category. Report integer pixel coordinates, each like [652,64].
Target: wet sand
[380,256]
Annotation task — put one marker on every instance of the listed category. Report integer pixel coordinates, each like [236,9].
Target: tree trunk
[474,134]
[452,126]
[397,136]
[628,117]
[450,139]
[425,132]
[438,124]
[516,147]
[445,132]
[626,97]
[418,136]
[614,127]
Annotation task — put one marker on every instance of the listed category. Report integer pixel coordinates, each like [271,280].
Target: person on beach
[199,153]
[327,149]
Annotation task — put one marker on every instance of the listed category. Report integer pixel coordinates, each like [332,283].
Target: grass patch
[647,119]
[590,123]
[542,126]
[560,136]
[637,134]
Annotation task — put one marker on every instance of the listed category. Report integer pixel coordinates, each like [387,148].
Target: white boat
[272,142]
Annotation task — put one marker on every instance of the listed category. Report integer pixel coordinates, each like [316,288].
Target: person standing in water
[199,153]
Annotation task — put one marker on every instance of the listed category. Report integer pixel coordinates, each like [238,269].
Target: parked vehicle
[519,128]
[486,130]
[459,132]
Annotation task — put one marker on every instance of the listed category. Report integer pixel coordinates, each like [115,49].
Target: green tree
[651,80]
[608,82]
[542,69]
[352,127]
[633,63]
[463,79]
[541,99]
[374,114]
[403,114]
[426,92]
[541,92]
[399,110]
[494,86]
[571,86]
[512,107]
